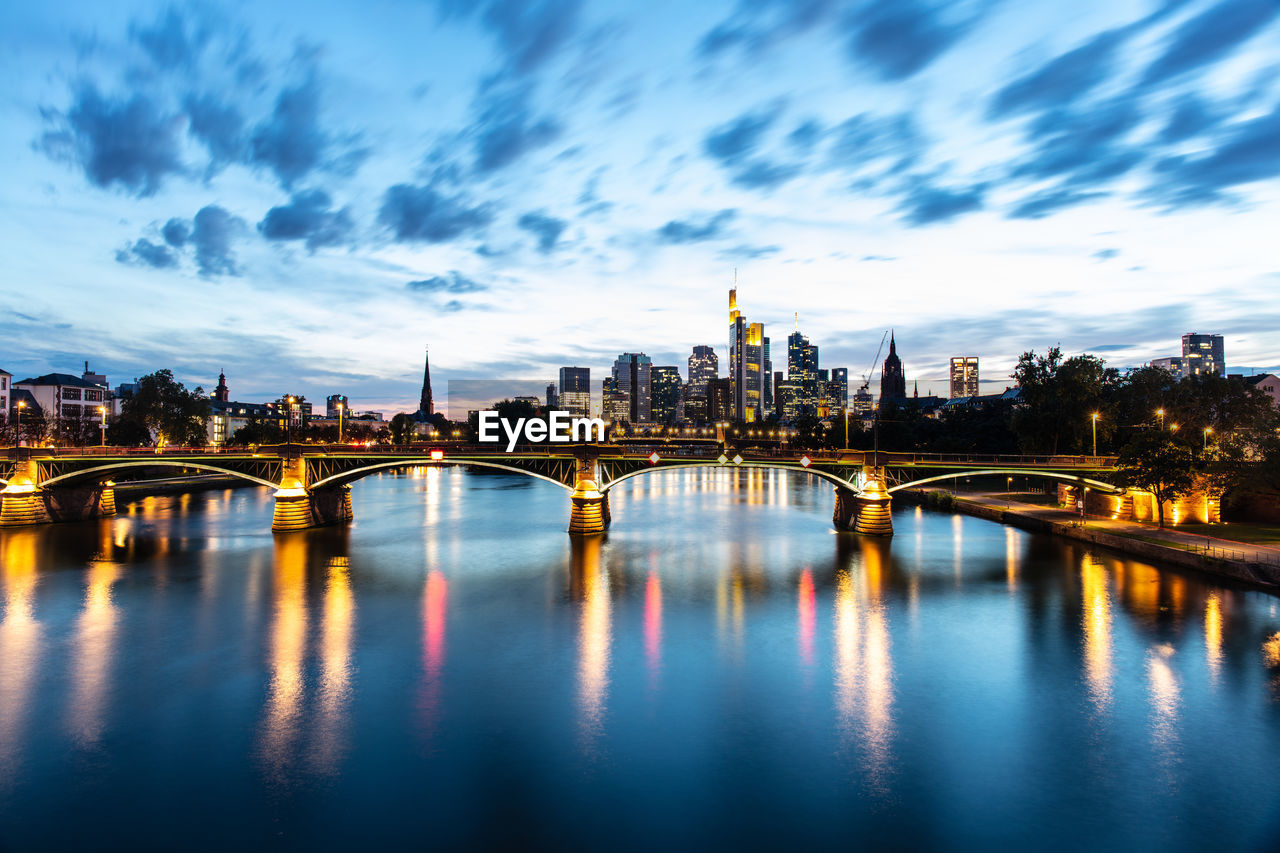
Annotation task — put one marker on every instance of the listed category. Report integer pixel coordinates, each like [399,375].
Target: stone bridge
[312,484]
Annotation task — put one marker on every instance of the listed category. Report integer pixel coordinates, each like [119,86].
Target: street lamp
[102,410]
[339,423]
[1207,431]
[17,424]
[1160,415]
[288,420]
[1095,433]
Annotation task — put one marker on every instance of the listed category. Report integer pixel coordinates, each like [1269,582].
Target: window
[95,396]
[71,411]
[71,393]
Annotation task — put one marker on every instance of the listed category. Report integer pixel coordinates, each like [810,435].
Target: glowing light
[437,455]
[1213,634]
[95,643]
[282,725]
[653,623]
[1271,650]
[807,607]
[1096,621]
[335,671]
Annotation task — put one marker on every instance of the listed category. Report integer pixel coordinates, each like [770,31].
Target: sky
[308,195]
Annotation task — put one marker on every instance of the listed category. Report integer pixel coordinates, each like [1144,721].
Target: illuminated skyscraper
[575,390]
[665,384]
[746,364]
[840,387]
[964,376]
[703,367]
[631,374]
[802,373]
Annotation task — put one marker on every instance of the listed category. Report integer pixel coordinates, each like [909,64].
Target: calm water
[722,670]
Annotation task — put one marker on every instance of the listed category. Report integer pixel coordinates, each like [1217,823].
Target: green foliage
[1155,461]
[940,500]
[402,429]
[1059,397]
[257,431]
[167,410]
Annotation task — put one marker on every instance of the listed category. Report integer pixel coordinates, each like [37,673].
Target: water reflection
[19,645]
[1213,635]
[590,583]
[335,670]
[283,722]
[435,609]
[1096,626]
[807,606]
[1165,698]
[94,646]
[863,666]
[653,625]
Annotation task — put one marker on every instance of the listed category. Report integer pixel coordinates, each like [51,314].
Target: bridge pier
[873,502]
[846,511]
[588,506]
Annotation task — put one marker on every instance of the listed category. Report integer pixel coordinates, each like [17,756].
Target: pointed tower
[426,407]
[222,394]
[893,382]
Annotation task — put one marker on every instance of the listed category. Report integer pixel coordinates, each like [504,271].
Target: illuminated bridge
[312,484]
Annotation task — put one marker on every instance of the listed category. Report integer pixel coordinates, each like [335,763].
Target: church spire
[426,406]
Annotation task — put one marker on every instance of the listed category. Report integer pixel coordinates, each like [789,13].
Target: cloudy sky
[308,194]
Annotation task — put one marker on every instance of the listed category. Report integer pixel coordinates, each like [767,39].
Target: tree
[168,410]
[1059,396]
[1156,462]
[258,431]
[402,429]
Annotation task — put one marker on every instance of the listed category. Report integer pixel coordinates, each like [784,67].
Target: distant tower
[426,407]
[893,383]
[222,394]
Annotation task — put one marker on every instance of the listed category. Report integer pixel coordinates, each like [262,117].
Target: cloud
[211,234]
[451,282]
[731,142]
[291,142]
[1087,144]
[746,252]
[131,143]
[805,136]
[1062,80]
[1042,204]
[421,214]
[308,217]
[1210,36]
[530,32]
[1190,118]
[1249,152]
[506,130]
[684,231]
[547,228]
[878,258]
[219,126]
[926,204]
[167,41]
[176,232]
[1106,254]
[765,174]
[899,38]
[863,139]
[150,254]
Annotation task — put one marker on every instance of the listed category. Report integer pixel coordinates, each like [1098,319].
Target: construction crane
[866,377]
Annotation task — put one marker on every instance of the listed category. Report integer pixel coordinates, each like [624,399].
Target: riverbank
[1241,561]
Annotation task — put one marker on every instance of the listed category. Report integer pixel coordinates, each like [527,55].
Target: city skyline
[528,187]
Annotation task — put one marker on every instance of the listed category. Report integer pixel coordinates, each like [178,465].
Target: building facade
[746,364]
[335,403]
[704,366]
[575,390]
[1203,354]
[665,404]
[631,376]
[964,376]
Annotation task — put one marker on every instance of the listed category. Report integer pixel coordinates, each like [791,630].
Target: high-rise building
[802,374]
[1172,363]
[575,390]
[333,403]
[767,379]
[703,366]
[964,376]
[631,374]
[615,404]
[1202,354]
[553,399]
[694,406]
[746,364]
[893,382]
[840,380]
[720,400]
[664,405]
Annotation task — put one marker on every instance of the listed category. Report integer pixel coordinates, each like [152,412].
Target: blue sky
[306,195]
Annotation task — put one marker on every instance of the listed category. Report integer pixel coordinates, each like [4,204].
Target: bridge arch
[712,463]
[1015,472]
[92,473]
[347,477]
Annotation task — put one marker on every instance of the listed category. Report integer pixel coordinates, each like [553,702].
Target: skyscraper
[840,386]
[964,376]
[802,373]
[893,382]
[335,403]
[631,373]
[665,396]
[1202,354]
[575,390]
[767,379]
[703,366]
[746,364]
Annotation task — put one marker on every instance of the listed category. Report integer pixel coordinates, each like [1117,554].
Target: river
[723,669]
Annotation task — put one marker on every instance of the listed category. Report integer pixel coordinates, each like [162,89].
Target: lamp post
[102,410]
[288,420]
[1095,433]
[1160,415]
[339,423]
[17,424]
[1207,432]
